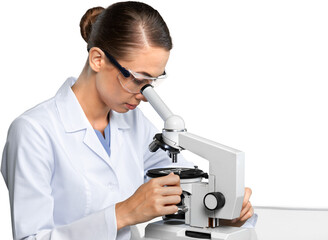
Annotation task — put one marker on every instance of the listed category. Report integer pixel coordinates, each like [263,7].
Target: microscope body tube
[156,102]
[173,124]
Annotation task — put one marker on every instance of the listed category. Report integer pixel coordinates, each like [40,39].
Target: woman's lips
[131,107]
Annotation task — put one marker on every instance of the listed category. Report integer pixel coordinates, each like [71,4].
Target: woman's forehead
[150,61]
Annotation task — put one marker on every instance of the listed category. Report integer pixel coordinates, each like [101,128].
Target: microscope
[203,202]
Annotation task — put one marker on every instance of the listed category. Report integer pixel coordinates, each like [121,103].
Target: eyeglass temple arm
[125,72]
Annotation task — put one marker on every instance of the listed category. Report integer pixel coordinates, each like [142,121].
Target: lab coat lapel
[92,141]
[118,126]
[74,119]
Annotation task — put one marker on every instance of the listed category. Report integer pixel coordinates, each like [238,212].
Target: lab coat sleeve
[27,167]
[251,222]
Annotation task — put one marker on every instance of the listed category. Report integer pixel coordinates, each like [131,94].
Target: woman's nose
[141,97]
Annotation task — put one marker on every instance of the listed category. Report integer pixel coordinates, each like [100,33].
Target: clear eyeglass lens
[132,84]
[157,82]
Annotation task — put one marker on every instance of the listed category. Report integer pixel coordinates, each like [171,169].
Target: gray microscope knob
[214,201]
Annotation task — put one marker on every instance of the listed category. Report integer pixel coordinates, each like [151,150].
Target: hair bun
[87,20]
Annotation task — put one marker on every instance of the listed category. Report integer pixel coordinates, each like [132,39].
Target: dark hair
[125,26]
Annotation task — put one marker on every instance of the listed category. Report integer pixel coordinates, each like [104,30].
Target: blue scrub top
[105,140]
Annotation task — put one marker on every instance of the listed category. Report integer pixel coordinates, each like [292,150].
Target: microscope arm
[226,171]
[226,165]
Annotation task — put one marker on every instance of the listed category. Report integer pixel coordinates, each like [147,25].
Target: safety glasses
[133,81]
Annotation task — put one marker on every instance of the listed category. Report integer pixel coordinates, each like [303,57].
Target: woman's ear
[96,59]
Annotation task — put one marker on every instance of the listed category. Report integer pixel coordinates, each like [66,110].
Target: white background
[248,74]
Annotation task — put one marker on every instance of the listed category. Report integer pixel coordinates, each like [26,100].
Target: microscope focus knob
[214,201]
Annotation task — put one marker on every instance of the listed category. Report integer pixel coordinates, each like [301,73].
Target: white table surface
[288,224]
[276,223]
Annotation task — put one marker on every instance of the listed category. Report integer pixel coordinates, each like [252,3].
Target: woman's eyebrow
[149,75]
[145,73]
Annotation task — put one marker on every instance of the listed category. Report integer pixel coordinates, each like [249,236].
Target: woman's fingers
[155,198]
[165,186]
[169,180]
[247,196]
[170,209]
[167,191]
[247,211]
[247,215]
[170,200]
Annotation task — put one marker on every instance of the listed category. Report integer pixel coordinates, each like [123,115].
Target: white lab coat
[62,183]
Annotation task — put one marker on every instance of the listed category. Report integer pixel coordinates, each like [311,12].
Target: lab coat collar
[74,119]
[118,119]
[72,114]
[69,108]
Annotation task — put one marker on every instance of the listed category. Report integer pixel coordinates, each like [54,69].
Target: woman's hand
[247,212]
[155,198]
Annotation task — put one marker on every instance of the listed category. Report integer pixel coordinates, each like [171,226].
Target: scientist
[75,164]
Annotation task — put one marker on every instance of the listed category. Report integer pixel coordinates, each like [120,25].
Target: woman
[75,164]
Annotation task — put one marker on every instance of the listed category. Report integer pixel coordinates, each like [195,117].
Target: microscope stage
[184,173]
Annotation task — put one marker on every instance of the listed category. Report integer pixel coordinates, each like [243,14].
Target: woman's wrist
[122,215]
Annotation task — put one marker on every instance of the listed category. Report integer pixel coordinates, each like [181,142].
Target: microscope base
[173,230]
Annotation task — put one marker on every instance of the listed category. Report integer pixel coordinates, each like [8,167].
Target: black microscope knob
[214,201]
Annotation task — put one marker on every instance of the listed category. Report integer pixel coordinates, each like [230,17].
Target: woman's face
[148,61]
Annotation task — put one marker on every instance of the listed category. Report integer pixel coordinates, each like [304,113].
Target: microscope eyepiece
[144,87]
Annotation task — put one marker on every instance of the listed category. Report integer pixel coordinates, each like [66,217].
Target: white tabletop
[277,223]
[285,223]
